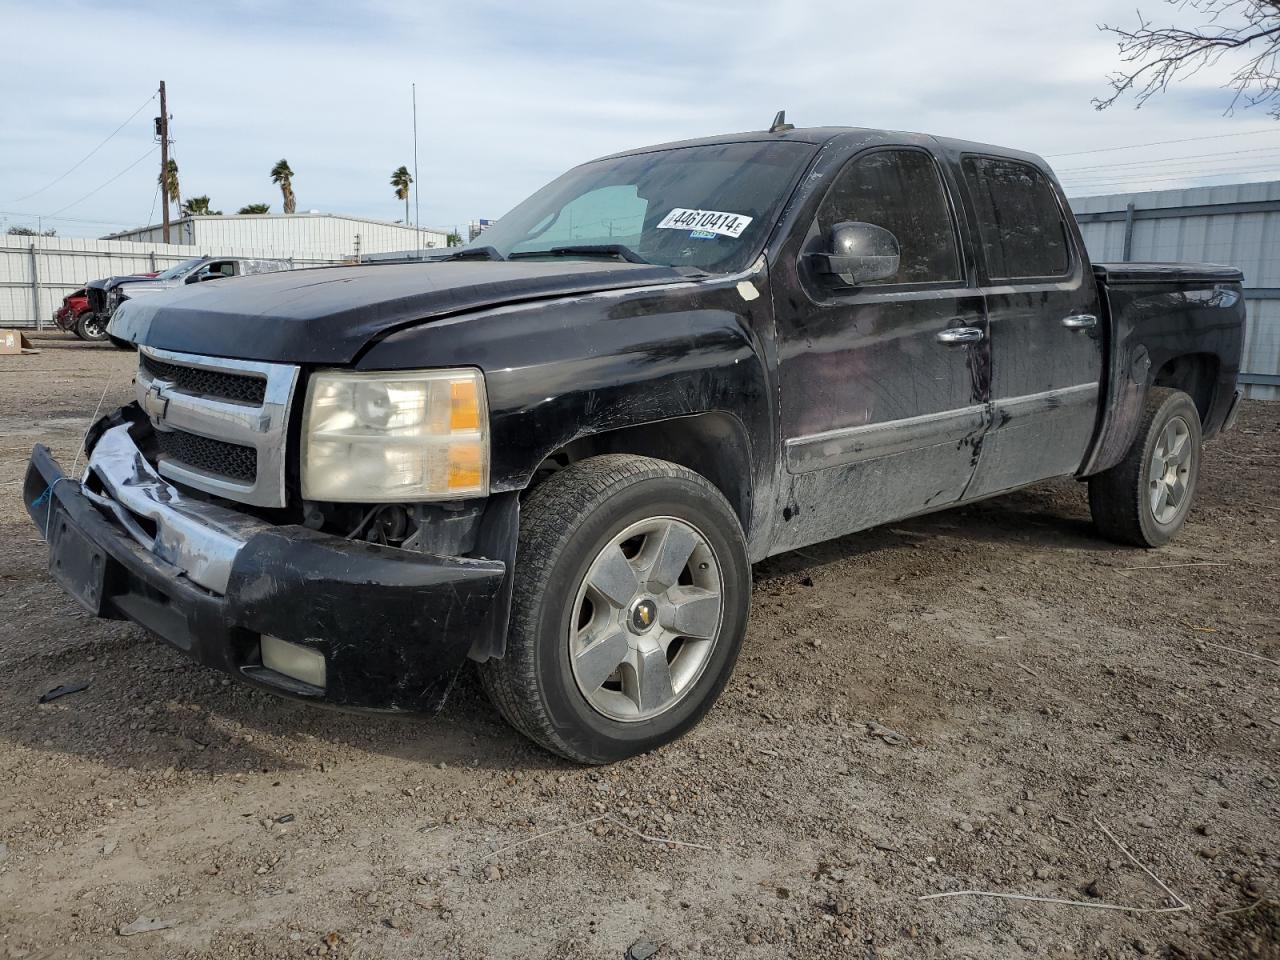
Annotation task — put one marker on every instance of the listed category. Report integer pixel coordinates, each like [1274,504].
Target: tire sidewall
[587,731]
[1179,404]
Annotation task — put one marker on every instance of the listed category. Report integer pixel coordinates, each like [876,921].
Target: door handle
[956,335]
[1080,321]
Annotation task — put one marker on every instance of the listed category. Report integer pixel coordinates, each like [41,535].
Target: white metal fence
[37,272]
[1237,224]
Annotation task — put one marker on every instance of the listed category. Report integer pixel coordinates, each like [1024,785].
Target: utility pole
[162,128]
[417,187]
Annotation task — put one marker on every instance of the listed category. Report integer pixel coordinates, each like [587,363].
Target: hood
[136,286]
[327,315]
[107,283]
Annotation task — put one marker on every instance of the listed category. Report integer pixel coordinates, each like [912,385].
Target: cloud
[510,94]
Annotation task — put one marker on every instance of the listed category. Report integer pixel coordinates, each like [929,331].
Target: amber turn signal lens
[466,466]
[464,405]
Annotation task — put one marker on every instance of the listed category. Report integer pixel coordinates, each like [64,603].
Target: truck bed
[1168,324]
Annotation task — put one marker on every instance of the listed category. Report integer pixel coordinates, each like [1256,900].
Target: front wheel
[628,609]
[91,326]
[1144,499]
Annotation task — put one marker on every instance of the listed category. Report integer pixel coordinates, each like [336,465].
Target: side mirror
[860,253]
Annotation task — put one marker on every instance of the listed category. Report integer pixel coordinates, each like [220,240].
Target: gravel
[987,683]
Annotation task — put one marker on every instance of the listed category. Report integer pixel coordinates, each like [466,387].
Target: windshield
[174,272]
[708,207]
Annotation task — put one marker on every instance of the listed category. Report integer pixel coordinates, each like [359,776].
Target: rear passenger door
[1044,328]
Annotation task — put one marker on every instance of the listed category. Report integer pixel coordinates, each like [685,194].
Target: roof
[817,136]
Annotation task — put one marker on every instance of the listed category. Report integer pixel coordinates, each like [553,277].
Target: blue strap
[41,500]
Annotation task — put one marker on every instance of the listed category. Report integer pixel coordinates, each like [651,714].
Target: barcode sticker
[706,221]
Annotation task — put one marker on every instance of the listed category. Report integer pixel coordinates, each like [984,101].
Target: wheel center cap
[644,614]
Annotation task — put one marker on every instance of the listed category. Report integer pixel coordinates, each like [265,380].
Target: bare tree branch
[1246,33]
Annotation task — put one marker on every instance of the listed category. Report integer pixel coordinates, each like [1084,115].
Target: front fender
[566,369]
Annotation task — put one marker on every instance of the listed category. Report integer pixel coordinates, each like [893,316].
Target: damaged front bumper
[351,624]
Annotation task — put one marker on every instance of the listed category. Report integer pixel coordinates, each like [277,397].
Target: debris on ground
[146,925]
[62,691]
[891,737]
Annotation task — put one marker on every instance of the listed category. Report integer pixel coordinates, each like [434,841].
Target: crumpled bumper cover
[394,627]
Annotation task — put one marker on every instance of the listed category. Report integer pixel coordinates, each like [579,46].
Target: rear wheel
[1145,498]
[91,326]
[629,606]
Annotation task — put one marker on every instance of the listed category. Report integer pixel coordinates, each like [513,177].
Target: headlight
[412,435]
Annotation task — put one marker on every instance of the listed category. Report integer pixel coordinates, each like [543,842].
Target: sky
[510,94]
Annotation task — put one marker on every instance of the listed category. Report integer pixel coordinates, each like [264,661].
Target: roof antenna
[780,124]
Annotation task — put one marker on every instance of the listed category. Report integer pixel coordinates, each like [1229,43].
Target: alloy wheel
[646,618]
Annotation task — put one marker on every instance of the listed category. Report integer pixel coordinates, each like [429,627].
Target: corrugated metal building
[326,236]
[1236,224]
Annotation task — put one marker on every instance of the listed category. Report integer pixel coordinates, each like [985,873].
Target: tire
[1133,502]
[578,525]
[88,327]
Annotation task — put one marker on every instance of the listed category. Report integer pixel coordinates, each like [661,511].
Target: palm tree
[281,174]
[168,178]
[199,207]
[255,208]
[401,180]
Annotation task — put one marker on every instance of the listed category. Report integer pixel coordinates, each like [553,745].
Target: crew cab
[556,451]
[106,295]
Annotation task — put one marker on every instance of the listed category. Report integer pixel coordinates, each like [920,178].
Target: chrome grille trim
[261,426]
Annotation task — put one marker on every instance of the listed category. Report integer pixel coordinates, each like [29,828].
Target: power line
[1140,163]
[1184,178]
[1192,168]
[1195,171]
[87,155]
[1161,143]
[111,181]
[46,216]
[154,197]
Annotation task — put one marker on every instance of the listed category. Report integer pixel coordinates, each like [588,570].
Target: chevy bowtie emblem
[154,402]
[643,616]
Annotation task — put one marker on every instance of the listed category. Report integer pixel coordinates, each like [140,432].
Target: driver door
[884,386]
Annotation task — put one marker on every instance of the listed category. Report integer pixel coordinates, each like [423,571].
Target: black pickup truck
[557,451]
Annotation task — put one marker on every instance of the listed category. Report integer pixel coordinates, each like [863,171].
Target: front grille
[238,388]
[217,457]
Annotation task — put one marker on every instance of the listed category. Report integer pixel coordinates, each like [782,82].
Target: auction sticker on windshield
[705,221]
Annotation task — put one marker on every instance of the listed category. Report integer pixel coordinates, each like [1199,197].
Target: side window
[1020,223]
[901,191]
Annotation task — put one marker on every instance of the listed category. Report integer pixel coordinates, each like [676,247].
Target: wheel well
[712,444]
[1195,374]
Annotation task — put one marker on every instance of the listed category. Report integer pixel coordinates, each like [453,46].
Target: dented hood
[328,315]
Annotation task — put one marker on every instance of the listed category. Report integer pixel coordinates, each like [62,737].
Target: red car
[76,316]
[74,306]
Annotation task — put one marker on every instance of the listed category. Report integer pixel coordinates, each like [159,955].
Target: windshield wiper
[585,250]
[470,253]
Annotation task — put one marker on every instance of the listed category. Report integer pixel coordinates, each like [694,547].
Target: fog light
[293,660]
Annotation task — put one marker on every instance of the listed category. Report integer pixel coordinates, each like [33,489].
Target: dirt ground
[953,703]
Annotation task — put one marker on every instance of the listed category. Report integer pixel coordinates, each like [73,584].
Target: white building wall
[1235,224]
[325,235]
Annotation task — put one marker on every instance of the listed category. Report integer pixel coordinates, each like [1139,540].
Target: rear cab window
[1021,228]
